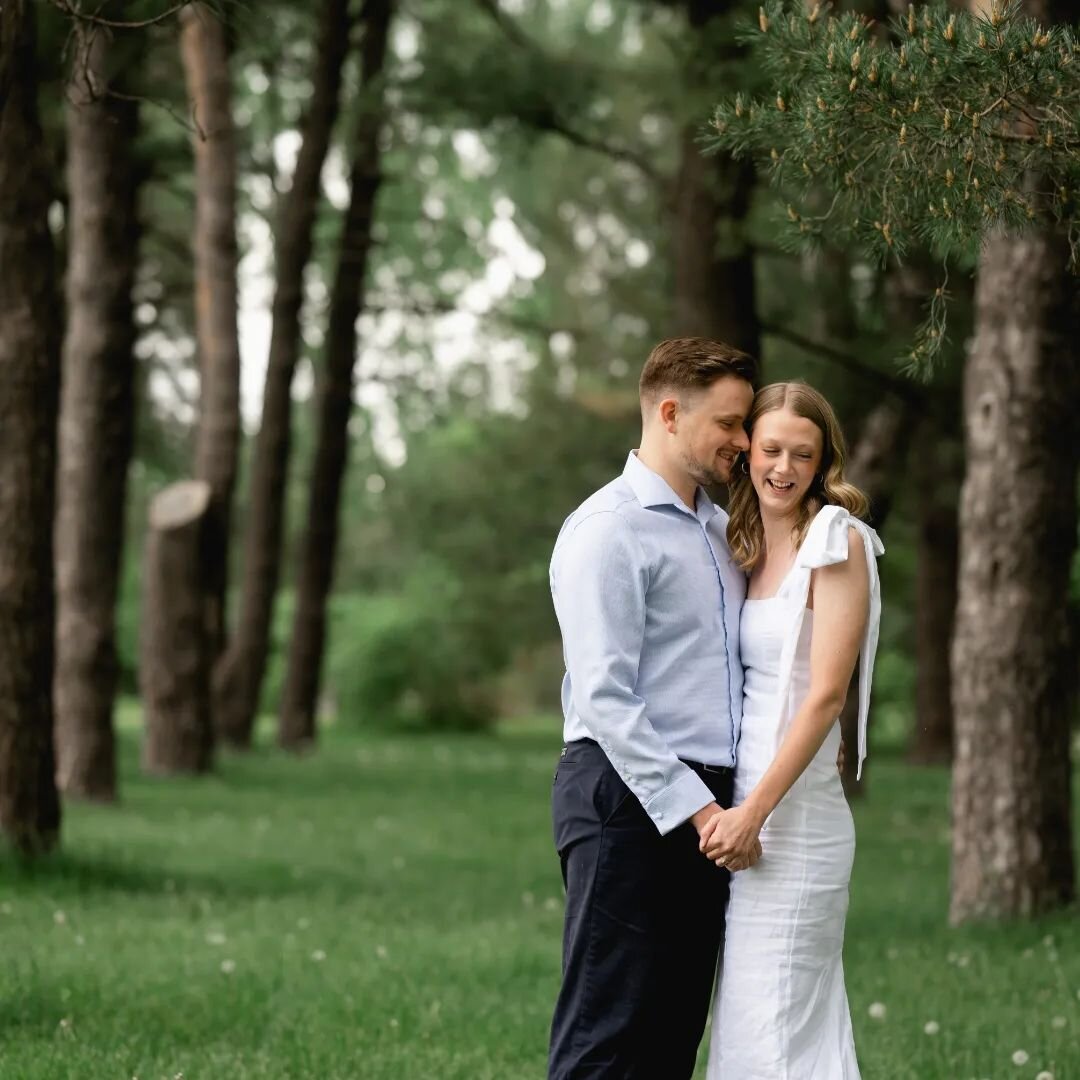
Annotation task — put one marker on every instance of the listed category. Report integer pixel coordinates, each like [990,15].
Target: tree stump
[175,652]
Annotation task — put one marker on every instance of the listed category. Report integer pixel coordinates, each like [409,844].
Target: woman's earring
[744,465]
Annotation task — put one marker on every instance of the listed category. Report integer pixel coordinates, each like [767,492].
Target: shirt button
[659,815]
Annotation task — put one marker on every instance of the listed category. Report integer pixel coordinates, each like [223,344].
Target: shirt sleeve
[599,582]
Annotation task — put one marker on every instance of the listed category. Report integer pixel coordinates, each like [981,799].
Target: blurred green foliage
[554,131]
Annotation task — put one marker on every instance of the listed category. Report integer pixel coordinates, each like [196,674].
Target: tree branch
[904,388]
[550,121]
[71,9]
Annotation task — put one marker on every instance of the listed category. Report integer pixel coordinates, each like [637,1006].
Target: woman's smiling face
[785,456]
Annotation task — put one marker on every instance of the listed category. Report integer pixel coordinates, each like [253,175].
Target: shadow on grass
[87,875]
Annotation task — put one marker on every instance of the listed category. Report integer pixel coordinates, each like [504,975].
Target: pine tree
[948,129]
[959,132]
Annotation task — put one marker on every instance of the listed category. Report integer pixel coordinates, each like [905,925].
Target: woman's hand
[730,839]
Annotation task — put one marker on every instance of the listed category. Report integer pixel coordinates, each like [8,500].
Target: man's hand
[703,818]
[730,838]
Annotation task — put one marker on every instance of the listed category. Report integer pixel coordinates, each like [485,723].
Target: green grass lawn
[390,907]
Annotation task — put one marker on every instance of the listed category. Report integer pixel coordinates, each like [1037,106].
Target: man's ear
[668,411]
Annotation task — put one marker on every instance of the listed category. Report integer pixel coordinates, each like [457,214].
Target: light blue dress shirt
[648,600]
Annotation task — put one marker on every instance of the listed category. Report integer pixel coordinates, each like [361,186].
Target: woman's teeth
[779,485]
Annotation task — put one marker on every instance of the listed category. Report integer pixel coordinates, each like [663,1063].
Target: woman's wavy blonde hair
[745,532]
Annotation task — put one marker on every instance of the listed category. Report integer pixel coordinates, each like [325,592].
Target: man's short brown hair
[692,363]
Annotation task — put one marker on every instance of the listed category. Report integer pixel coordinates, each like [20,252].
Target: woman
[813,604]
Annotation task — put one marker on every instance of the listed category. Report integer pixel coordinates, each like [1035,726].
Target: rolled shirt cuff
[679,801]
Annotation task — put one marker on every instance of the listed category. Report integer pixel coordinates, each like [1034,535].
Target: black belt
[697,766]
[712,770]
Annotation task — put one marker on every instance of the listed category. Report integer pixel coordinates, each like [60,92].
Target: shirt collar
[651,489]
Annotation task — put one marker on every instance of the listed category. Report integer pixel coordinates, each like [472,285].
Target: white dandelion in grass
[228,967]
[931,1027]
[65,1027]
[80,940]
[1044,1075]
[303,922]
[215,937]
[318,956]
[59,918]
[393,1021]
[381,952]
[1048,941]
[892,953]
[528,899]
[5,908]
[1020,1057]
[1058,1022]
[877,1011]
[551,904]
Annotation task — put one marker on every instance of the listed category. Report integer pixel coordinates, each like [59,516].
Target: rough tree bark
[714,270]
[300,695]
[96,416]
[204,52]
[713,262]
[174,649]
[937,470]
[29,400]
[239,673]
[1011,660]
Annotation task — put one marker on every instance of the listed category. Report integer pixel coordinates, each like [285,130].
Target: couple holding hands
[699,818]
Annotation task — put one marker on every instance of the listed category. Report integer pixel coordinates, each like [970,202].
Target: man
[648,601]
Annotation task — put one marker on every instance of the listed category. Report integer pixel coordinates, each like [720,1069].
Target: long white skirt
[781,1010]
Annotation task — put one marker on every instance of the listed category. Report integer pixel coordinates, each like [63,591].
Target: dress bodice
[775,632]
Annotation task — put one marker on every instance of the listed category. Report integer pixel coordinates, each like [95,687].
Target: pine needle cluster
[935,131]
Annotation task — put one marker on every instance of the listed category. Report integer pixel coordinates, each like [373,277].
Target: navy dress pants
[644,927]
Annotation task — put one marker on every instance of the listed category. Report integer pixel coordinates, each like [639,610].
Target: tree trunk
[937,473]
[714,268]
[29,400]
[299,698]
[876,465]
[175,652]
[204,53]
[1012,671]
[715,295]
[96,418]
[239,674]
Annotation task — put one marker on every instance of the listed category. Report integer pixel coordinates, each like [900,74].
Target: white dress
[781,1010]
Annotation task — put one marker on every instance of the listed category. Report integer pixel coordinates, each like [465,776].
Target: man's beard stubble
[701,473]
